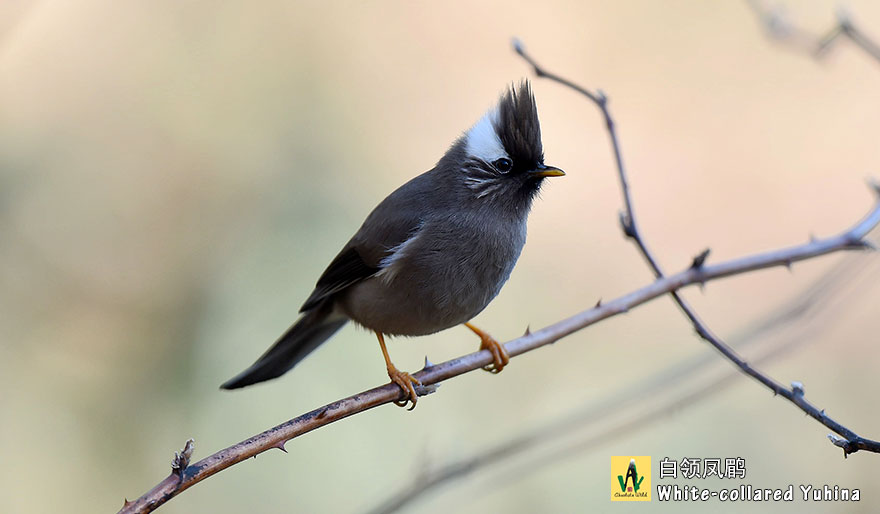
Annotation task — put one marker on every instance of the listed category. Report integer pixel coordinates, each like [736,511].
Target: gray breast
[444,275]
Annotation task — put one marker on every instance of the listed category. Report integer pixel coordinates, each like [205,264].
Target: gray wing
[390,224]
[346,269]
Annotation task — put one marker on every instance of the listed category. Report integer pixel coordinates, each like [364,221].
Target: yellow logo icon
[630,479]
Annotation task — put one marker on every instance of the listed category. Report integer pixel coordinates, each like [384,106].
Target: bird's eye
[503,165]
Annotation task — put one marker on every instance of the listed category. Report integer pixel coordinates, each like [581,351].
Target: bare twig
[276,437]
[181,458]
[805,313]
[853,442]
[780,29]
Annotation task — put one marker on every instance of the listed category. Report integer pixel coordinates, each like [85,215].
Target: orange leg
[499,354]
[403,379]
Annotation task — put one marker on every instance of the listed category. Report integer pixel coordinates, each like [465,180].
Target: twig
[276,437]
[780,29]
[803,310]
[181,459]
[851,442]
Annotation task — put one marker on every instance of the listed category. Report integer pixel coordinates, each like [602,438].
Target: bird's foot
[500,358]
[407,384]
[499,354]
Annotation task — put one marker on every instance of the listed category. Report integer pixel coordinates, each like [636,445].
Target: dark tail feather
[315,327]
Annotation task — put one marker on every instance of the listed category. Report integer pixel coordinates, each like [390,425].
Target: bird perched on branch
[435,252]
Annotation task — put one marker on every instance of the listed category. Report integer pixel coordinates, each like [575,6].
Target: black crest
[517,124]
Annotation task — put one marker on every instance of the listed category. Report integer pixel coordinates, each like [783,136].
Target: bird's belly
[429,293]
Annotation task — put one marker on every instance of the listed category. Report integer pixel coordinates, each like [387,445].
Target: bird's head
[503,154]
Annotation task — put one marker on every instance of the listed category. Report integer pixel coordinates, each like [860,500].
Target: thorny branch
[808,314]
[276,437]
[184,476]
[850,442]
[779,27]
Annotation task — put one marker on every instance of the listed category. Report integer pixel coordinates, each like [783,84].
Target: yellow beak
[546,171]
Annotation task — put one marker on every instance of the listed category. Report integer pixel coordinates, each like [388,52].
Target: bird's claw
[500,358]
[407,384]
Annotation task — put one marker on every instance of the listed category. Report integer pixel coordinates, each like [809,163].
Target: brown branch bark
[276,437]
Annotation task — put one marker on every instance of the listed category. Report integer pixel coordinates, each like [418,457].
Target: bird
[433,253]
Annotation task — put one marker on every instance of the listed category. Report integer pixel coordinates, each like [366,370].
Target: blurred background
[174,176]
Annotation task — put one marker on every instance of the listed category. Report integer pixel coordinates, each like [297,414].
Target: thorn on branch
[598,303]
[837,440]
[280,446]
[703,332]
[842,442]
[856,243]
[428,363]
[700,259]
[425,390]
[528,331]
[626,225]
[797,388]
[868,245]
[181,458]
